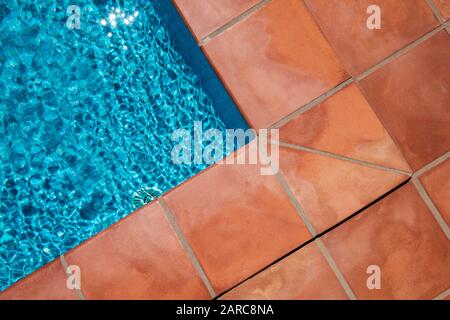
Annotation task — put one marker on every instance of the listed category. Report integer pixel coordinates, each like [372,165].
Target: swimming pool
[86,117]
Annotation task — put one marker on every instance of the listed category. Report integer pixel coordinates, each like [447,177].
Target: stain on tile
[400,235]
[346,125]
[204,17]
[437,184]
[304,275]
[330,190]
[344,22]
[275,61]
[411,97]
[237,221]
[47,283]
[138,258]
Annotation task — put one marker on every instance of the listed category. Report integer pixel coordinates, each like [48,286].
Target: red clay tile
[47,283]
[303,275]
[138,258]
[437,184]
[204,17]
[400,235]
[344,22]
[444,8]
[329,189]
[411,97]
[237,221]
[332,126]
[275,61]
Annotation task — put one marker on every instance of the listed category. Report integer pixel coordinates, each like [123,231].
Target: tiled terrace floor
[364,119]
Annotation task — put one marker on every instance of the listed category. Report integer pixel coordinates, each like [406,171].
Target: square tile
[400,236]
[47,283]
[344,22]
[411,97]
[437,184]
[138,258]
[304,275]
[274,61]
[237,221]
[329,189]
[204,17]
[332,126]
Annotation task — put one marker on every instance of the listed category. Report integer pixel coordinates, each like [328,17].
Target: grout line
[443,295]
[311,104]
[296,249]
[284,184]
[232,22]
[187,248]
[343,158]
[432,164]
[399,53]
[335,268]
[436,11]
[65,266]
[313,239]
[426,198]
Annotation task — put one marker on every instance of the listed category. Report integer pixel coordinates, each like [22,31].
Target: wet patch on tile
[345,125]
[237,221]
[345,25]
[400,236]
[303,275]
[275,61]
[330,190]
[411,97]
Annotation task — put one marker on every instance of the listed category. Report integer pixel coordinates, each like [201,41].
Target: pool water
[86,117]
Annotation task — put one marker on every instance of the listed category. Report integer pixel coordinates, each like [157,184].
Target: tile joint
[432,165]
[442,295]
[298,207]
[187,247]
[343,158]
[233,22]
[65,265]
[345,285]
[431,206]
[436,11]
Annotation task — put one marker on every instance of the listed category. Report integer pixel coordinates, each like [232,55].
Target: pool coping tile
[269,71]
[222,214]
[47,283]
[140,257]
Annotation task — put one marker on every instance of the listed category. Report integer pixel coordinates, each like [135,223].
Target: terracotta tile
[329,189]
[303,275]
[275,61]
[333,127]
[237,221]
[399,235]
[47,283]
[138,258]
[437,184]
[411,97]
[344,22]
[444,7]
[204,17]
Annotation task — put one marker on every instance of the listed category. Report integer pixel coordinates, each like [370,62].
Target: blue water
[85,121]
